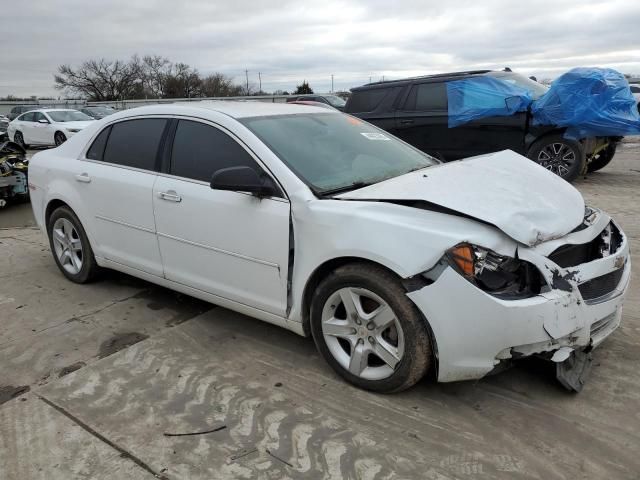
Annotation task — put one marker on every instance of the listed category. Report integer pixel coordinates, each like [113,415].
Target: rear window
[135,143]
[366,100]
[27,117]
[427,96]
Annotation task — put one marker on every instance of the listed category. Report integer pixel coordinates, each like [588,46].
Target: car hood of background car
[79,125]
[504,189]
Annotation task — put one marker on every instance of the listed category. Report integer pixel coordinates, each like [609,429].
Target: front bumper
[474,331]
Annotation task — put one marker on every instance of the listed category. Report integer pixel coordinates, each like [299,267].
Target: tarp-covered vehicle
[458,115]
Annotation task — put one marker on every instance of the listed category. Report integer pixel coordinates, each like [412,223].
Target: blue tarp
[585,101]
[479,97]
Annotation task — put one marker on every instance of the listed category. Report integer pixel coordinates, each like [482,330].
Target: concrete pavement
[123,379]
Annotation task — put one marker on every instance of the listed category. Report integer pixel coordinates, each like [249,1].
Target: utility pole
[369,78]
[246,74]
[260,81]
[332,83]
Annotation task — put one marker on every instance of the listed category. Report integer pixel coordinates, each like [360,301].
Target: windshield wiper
[344,188]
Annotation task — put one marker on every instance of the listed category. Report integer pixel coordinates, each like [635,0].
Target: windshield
[335,101]
[333,152]
[103,110]
[536,89]
[68,116]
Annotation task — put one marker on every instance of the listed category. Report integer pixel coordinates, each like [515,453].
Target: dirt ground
[123,379]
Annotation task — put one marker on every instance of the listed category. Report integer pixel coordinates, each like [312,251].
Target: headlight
[73,130]
[496,274]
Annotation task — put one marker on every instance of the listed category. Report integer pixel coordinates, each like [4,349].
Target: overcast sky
[292,41]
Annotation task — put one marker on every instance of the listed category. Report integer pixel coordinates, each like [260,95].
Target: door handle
[406,122]
[170,196]
[84,178]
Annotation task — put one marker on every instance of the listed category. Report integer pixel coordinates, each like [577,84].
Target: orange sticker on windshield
[353,120]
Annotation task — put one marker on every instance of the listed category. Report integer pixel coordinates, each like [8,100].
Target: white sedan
[47,126]
[316,221]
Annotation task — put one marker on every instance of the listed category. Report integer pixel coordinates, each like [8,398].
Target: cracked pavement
[124,379]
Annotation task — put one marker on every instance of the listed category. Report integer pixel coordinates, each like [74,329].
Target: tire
[602,159]
[59,138]
[565,158]
[350,343]
[66,233]
[19,139]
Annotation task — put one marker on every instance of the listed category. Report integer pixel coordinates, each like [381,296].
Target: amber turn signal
[464,258]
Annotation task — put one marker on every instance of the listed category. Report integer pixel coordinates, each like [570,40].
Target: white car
[325,225]
[47,126]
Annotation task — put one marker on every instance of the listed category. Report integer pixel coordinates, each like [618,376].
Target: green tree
[303,89]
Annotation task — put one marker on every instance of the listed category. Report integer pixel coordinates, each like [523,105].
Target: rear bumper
[473,331]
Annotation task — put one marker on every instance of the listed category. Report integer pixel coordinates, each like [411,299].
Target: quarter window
[199,150]
[96,150]
[427,96]
[135,143]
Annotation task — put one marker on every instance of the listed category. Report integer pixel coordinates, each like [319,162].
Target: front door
[41,132]
[230,244]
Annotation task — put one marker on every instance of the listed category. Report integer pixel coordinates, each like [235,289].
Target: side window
[135,143]
[366,100]
[27,117]
[37,116]
[199,150]
[96,150]
[427,96]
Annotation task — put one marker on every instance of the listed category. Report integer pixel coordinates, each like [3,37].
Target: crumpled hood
[504,189]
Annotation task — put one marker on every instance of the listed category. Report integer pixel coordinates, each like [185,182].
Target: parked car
[47,127]
[331,100]
[4,124]
[635,89]
[323,224]
[20,109]
[98,112]
[416,110]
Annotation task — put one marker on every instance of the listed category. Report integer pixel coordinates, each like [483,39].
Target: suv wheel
[602,159]
[368,330]
[70,246]
[565,158]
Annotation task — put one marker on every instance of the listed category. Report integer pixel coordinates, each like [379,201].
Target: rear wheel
[19,139]
[59,138]
[565,158]
[602,158]
[368,330]
[70,246]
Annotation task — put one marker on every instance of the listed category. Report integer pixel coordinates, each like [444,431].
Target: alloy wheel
[362,333]
[67,245]
[557,158]
[18,139]
[59,139]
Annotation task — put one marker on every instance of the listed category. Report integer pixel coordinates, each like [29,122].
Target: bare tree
[184,82]
[156,70]
[101,79]
[219,85]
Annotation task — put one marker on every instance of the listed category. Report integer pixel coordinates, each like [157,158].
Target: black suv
[416,110]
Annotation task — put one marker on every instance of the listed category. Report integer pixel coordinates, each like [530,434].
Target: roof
[402,81]
[235,109]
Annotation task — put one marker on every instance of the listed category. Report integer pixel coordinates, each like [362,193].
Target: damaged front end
[557,300]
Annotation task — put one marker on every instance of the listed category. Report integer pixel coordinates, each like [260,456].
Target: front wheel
[565,158]
[59,138]
[368,330]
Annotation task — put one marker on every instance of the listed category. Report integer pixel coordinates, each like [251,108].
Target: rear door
[376,106]
[230,244]
[116,182]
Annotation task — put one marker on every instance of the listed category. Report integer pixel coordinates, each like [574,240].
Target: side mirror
[43,120]
[244,179]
